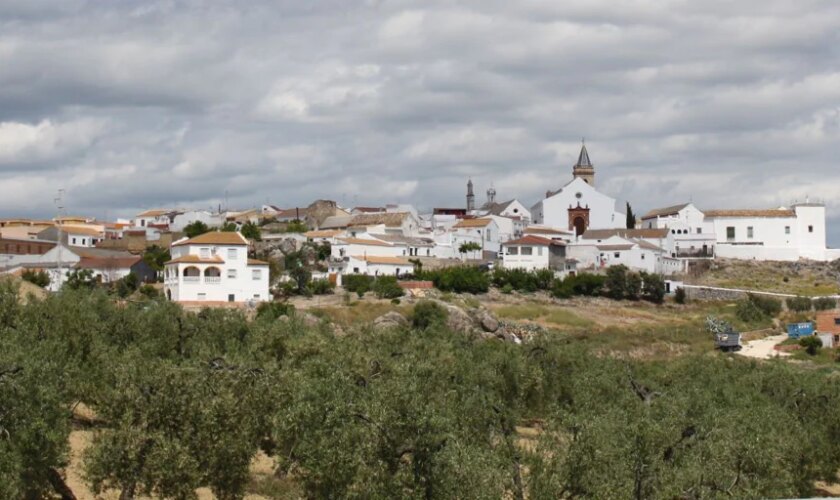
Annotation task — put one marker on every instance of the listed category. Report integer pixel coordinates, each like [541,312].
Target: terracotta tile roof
[827,322]
[196,259]
[360,241]
[87,231]
[215,238]
[153,213]
[368,209]
[777,212]
[664,212]
[470,223]
[255,262]
[602,234]
[545,230]
[394,219]
[530,239]
[378,259]
[648,245]
[324,233]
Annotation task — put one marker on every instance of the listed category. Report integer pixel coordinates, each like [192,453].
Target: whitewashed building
[534,252]
[694,236]
[484,232]
[578,206]
[214,267]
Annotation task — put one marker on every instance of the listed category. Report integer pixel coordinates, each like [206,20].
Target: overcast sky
[139,104]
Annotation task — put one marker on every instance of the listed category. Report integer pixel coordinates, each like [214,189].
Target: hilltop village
[204,256]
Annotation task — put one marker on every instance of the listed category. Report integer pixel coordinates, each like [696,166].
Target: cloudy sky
[139,104]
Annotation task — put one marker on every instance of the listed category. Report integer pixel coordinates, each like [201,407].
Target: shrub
[768,305]
[359,283]
[396,302]
[149,291]
[522,280]
[274,310]
[825,304]
[587,285]
[812,344]
[40,278]
[633,291]
[747,311]
[459,279]
[127,285]
[799,304]
[386,287]
[679,295]
[653,288]
[321,287]
[507,289]
[616,282]
[427,313]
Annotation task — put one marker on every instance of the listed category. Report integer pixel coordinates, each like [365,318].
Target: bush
[653,288]
[386,287]
[127,285]
[799,304]
[459,279]
[587,285]
[396,302]
[149,291]
[522,280]
[633,291]
[616,282]
[507,289]
[427,313]
[40,278]
[825,304]
[321,287]
[747,311]
[679,295]
[359,283]
[812,344]
[769,306]
[274,310]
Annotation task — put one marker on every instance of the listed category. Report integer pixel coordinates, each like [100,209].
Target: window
[837,321]
[617,255]
[231,253]
[202,296]
[749,232]
[74,241]
[257,296]
[205,253]
[699,230]
[643,256]
[356,270]
[513,250]
[256,274]
[673,231]
[527,251]
[810,229]
[231,273]
[539,251]
[787,229]
[730,233]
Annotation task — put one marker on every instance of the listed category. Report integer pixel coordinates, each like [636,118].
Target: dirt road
[763,348]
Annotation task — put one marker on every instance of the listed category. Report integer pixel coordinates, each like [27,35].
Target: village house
[694,237]
[214,267]
[828,327]
[636,254]
[483,231]
[533,253]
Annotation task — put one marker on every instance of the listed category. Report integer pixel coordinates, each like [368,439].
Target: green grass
[568,318]
[522,311]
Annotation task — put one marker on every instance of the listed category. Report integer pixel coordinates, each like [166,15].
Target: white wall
[539,258]
[554,211]
[243,286]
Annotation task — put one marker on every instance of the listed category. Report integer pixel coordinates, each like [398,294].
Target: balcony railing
[192,279]
[212,280]
[696,254]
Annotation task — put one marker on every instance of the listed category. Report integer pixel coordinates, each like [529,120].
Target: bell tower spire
[470,196]
[584,168]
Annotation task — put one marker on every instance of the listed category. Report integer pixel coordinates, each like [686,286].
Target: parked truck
[726,338]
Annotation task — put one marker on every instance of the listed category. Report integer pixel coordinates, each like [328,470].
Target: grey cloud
[372,101]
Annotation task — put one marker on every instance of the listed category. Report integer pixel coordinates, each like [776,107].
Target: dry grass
[800,278]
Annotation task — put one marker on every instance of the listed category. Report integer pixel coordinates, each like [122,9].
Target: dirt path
[763,348]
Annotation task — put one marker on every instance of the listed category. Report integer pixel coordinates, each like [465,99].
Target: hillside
[806,278]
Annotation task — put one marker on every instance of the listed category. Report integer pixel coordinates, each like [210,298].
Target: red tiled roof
[530,239]
[215,238]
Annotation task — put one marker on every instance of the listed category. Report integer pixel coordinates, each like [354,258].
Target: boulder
[391,319]
[458,320]
[308,319]
[486,320]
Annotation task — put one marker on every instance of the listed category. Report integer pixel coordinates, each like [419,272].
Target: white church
[578,206]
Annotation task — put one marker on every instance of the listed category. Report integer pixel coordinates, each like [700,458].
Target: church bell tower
[584,169]
[470,196]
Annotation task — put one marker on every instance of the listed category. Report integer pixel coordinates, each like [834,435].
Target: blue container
[796,330]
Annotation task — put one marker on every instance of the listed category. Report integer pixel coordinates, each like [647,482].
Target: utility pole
[59,205]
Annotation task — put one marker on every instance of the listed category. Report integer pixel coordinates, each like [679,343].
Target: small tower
[470,196]
[584,168]
[491,195]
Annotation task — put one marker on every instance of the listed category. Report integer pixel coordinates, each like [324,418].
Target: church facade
[578,206]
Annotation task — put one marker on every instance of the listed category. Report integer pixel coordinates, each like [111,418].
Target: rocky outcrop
[388,320]
[486,320]
[308,319]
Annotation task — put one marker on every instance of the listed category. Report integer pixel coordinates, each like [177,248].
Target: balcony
[212,280]
[707,253]
[192,279]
